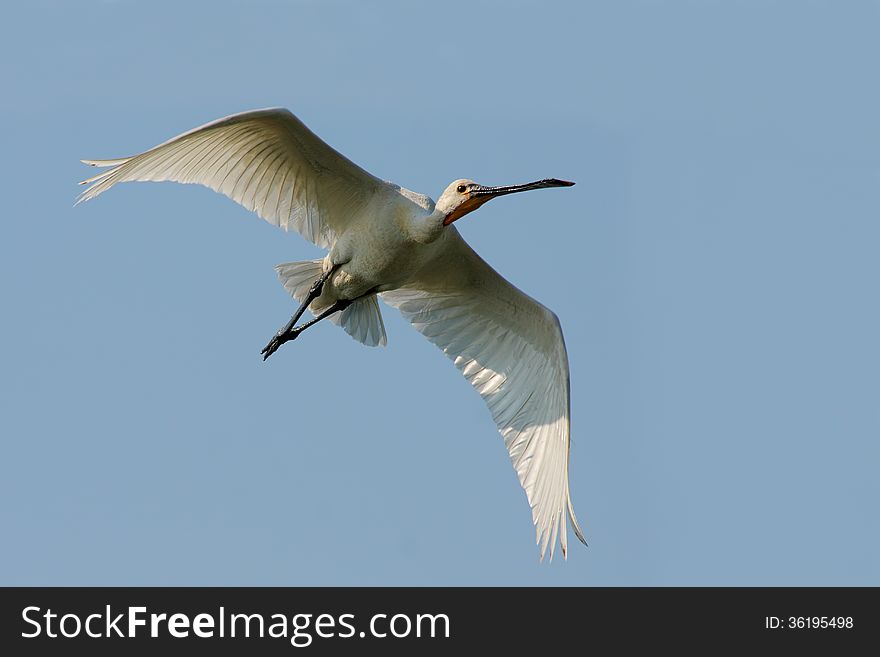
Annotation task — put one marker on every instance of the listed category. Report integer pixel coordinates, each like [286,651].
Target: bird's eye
[461,189]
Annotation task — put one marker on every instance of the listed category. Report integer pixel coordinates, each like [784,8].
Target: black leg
[314,293]
[283,335]
[293,333]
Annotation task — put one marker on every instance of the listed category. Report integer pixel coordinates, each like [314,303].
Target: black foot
[277,340]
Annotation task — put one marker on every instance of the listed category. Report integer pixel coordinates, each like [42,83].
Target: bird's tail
[362,320]
[298,277]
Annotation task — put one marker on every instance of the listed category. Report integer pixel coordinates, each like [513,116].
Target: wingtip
[575,525]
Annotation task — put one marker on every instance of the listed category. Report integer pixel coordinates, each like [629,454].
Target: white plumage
[388,241]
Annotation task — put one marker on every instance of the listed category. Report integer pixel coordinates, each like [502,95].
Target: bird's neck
[425,228]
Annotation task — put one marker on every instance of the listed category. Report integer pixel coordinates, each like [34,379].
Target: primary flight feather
[387,241]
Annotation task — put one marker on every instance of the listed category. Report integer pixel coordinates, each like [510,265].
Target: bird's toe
[270,348]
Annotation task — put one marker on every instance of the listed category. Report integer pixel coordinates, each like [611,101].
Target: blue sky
[715,272]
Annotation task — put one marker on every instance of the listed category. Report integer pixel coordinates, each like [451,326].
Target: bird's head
[463,196]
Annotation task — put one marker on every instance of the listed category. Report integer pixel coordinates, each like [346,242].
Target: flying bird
[387,241]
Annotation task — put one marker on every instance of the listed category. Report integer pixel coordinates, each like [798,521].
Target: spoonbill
[385,240]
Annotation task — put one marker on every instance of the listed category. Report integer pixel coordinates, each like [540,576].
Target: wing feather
[266,160]
[511,349]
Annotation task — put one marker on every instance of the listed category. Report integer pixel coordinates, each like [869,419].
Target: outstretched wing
[266,160]
[511,349]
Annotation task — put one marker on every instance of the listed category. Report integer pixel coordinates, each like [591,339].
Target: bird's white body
[388,241]
[383,247]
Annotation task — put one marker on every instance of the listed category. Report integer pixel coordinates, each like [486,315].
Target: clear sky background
[715,271]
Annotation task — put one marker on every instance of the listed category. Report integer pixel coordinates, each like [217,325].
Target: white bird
[388,241]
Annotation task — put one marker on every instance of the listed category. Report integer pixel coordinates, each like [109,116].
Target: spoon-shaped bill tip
[555,182]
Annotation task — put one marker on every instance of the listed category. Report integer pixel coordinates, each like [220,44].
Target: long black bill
[513,189]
